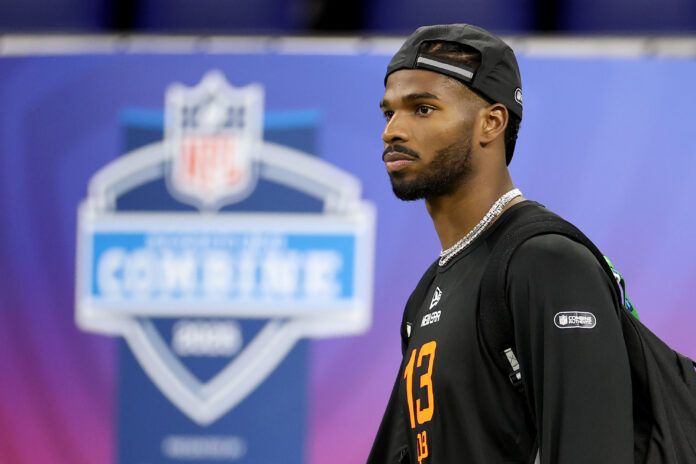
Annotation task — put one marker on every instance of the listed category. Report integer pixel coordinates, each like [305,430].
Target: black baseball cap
[497,78]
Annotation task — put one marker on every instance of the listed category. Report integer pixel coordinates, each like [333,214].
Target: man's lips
[397,156]
[395,160]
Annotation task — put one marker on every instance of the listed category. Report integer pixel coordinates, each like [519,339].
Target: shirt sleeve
[571,353]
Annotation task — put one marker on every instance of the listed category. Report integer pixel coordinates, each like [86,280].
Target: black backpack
[663,381]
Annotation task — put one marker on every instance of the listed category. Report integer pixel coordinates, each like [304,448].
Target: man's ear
[494,120]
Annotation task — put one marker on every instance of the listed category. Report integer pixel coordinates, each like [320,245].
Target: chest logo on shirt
[430,318]
[575,320]
[436,297]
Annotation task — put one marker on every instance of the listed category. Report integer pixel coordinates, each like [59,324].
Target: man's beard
[448,169]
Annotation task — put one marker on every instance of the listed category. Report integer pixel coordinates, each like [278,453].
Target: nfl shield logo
[213,133]
[563,319]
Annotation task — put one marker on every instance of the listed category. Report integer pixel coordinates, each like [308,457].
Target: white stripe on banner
[523,45]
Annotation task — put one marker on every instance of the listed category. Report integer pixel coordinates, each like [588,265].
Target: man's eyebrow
[412,97]
[420,96]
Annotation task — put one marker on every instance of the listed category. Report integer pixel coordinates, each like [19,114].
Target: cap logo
[518,95]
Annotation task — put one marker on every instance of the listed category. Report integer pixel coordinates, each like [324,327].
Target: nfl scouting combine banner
[213,252]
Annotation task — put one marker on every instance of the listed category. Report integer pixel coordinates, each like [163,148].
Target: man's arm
[571,352]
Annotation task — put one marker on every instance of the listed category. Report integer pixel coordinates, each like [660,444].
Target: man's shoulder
[553,247]
[552,257]
[546,252]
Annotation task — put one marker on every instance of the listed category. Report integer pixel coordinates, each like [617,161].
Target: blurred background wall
[354,16]
[607,141]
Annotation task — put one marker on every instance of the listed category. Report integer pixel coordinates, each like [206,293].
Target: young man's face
[428,132]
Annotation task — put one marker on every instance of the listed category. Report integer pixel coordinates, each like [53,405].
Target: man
[453,104]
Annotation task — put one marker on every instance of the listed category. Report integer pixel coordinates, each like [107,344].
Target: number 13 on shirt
[420,413]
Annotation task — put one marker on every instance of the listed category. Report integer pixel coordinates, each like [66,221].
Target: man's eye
[388,115]
[424,110]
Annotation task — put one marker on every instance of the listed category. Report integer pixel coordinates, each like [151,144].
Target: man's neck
[456,214]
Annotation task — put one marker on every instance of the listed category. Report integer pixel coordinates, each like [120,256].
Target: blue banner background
[608,143]
[276,411]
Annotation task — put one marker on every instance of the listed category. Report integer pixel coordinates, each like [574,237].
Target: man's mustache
[399,149]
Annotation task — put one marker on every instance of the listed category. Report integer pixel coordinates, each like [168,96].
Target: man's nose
[394,131]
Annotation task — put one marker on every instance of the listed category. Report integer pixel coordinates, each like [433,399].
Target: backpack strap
[494,317]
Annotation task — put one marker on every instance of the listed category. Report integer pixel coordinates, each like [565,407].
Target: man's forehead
[409,82]
[415,77]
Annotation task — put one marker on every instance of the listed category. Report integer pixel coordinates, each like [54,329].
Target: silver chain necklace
[494,212]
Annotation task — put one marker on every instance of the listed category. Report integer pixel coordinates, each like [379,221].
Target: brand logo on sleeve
[575,320]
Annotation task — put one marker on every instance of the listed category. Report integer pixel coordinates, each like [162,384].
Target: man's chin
[406,191]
